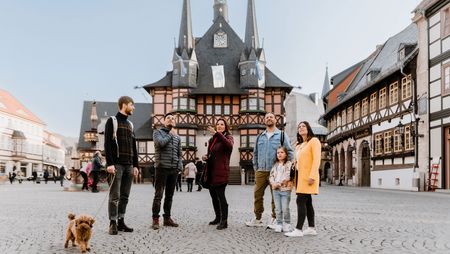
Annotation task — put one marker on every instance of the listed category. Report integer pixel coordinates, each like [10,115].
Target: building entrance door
[365,165]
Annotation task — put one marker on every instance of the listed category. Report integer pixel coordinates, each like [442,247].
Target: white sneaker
[310,231]
[254,223]
[287,227]
[278,228]
[295,233]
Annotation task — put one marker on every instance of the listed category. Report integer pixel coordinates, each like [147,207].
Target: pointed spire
[251,29]
[220,9]
[326,84]
[186,38]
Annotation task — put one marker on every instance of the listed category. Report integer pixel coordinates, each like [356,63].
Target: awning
[18,135]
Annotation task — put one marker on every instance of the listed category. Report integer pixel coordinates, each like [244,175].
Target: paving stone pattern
[33,219]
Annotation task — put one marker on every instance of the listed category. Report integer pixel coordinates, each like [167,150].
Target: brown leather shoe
[155,224]
[168,222]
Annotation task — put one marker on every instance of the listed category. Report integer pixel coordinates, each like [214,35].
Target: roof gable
[10,105]
[229,57]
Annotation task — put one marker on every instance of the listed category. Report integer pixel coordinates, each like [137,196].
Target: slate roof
[229,57]
[141,119]
[385,60]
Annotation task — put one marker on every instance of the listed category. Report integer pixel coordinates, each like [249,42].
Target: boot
[155,224]
[215,221]
[113,227]
[168,222]
[122,227]
[222,225]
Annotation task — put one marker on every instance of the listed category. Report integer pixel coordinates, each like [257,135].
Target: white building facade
[25,145]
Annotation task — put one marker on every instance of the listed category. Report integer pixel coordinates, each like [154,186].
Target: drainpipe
[416,125]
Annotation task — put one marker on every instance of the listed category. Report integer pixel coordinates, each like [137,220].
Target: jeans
[165,180]
[261,183]
[190,184]
[282,200]
[120,191]
[305,209]
[219,201]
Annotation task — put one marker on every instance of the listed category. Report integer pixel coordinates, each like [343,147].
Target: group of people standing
[275,163]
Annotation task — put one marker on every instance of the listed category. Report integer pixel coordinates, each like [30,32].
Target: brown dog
[79,231]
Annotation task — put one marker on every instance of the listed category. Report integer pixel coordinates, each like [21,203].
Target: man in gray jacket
[168,163]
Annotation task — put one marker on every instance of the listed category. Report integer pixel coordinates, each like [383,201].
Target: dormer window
[372,74]
[401,54]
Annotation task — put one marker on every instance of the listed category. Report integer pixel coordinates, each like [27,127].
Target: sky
[55,54]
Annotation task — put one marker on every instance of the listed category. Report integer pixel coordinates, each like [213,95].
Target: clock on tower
[220,40]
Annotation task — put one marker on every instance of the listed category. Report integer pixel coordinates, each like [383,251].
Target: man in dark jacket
[62,173]
[96,167]
[168,163]
[121,161]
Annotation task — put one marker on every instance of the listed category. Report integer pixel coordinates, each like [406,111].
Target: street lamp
[400,128]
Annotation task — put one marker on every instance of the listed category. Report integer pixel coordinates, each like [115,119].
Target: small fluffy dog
[79,231]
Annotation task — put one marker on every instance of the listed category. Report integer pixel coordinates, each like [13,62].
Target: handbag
[293,175]
[204,178]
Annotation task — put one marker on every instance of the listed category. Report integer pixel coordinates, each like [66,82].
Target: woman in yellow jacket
[308,156]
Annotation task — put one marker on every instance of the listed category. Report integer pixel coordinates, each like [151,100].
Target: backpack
[116,126]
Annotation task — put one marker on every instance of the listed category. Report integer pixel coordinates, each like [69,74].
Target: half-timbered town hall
[219,75]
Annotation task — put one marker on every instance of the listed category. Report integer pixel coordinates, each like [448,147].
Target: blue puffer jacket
[265,150]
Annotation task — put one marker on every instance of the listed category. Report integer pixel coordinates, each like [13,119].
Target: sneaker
[295,233]
[278,228]
[254,223]
[287,227]
[310,231]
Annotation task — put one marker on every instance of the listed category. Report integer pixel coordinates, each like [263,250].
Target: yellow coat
[308,163]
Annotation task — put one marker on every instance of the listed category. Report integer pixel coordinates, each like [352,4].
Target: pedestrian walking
[95,171]
[12,175]
[62,173]
[34,174]
[308,163]
[199,165]
[280,179]
[46,175]
[264,154]
[84,173]
[220,146]
[168,164]
[55,174]
[189,173]
[122,162]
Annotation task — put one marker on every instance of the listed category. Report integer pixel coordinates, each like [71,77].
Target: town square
[225,126]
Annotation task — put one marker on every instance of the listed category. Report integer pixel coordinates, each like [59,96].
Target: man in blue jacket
[264,154]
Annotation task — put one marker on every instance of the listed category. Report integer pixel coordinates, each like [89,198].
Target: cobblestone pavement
[33,219]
